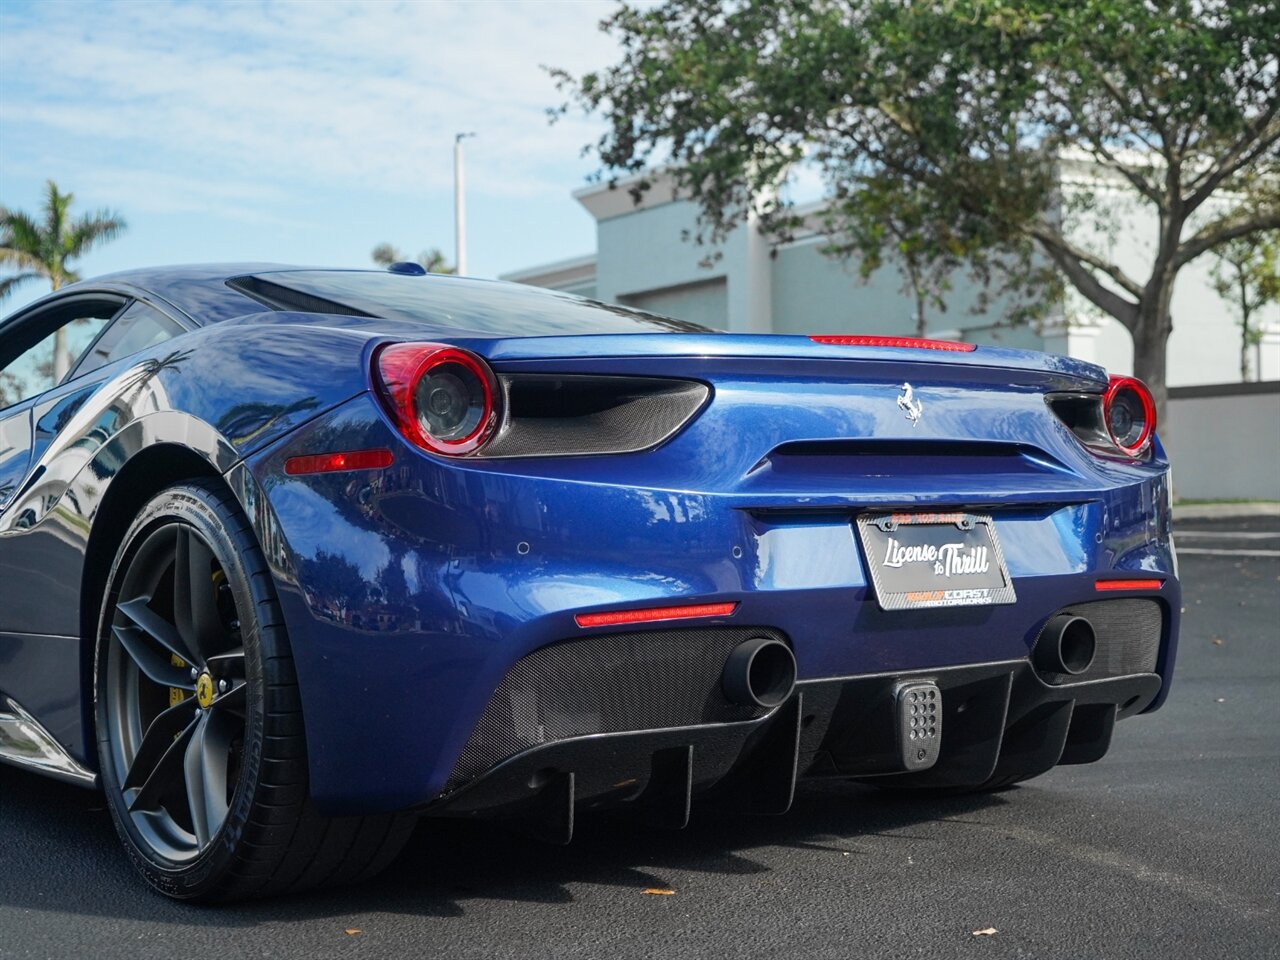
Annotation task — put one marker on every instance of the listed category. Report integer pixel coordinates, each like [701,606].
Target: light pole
[459,207]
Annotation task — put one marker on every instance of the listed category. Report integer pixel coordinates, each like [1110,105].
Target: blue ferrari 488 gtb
[290,557]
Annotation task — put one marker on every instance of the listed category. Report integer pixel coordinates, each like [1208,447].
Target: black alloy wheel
[199,721]
[176,691]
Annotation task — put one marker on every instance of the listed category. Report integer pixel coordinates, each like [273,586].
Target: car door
[47,378]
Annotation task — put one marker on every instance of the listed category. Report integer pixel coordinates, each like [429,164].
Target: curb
[1216,511]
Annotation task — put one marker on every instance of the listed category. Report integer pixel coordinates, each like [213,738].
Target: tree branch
[1050,238]
[1104,157]
[1090,286]
[1153,116]
[1265,133]
[1223,230]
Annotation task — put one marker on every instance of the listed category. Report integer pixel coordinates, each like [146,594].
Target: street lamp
[459,207]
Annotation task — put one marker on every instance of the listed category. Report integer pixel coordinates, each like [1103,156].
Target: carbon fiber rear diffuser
[999,718]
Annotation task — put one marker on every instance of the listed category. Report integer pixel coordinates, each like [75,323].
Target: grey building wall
[1224,441]
[703,301]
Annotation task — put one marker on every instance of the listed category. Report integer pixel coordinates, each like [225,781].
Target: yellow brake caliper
[177,694]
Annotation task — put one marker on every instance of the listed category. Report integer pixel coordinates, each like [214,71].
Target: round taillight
[442,398]
[1130,414]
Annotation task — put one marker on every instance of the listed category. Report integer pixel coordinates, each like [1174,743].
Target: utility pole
[459,207]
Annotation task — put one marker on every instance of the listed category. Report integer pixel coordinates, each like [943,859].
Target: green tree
[963,113]
[1246,273]
[433,261]
[46,250]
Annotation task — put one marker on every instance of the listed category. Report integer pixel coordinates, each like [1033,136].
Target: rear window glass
[480,307]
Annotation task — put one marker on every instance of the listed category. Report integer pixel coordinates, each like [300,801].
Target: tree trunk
[1150,351]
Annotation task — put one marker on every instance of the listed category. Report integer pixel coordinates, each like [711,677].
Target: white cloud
[225,105]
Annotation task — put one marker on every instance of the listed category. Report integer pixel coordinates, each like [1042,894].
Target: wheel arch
[160,464]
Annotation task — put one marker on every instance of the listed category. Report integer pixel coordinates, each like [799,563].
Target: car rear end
[664,569]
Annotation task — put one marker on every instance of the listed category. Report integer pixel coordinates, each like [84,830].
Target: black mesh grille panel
[1128,635]
[609,684]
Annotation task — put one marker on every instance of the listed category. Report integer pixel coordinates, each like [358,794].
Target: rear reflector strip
[1148,584]
[334,462]
[914,343]
[689,611]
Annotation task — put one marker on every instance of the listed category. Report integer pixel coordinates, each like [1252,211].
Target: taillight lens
[1129,412]
[1118,423]
[444,399]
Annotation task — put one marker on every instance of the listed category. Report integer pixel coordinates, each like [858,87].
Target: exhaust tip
[759,672]
[1068,645]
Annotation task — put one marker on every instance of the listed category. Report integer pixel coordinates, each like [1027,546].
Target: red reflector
[333,462]
[915,343]
[688,611]
[1128,584]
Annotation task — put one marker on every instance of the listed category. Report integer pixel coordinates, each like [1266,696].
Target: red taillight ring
[401,366]
[1114,387]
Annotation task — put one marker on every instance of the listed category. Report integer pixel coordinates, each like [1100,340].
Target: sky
[300,132]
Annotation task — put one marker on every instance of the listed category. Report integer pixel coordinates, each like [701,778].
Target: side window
[46,363]
[137,328]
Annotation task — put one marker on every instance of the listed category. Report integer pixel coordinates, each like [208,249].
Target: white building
[758,286]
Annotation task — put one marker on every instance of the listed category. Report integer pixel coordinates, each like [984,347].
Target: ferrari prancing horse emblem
[909,405]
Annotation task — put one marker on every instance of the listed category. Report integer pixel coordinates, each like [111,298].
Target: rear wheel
[199,722]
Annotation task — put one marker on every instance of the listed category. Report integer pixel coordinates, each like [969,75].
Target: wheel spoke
[157,739]
[157,627]
[211,746]
[233,700]
[195,598]
[194,774]
[167,770]
[151,661]
[229,664]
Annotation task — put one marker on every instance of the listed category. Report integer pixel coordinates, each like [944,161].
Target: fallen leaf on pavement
[659,892]
[352,931]
[985,932]
[1217,641]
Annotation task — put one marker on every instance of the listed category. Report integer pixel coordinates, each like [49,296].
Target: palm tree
[36,250]
[433,261]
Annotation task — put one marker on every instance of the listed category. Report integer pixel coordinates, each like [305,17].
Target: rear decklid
[770,352]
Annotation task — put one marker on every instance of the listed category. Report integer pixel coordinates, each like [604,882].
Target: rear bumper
[411,593]
[999,719]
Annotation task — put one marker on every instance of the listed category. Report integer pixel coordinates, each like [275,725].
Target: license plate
[934,560]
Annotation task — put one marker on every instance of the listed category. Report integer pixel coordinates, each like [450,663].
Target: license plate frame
[942,560]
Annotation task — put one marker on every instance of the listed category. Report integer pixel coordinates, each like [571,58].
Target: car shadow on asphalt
[59,852]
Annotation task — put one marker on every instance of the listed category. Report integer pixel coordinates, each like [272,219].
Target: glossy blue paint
[409,592]
[452,603]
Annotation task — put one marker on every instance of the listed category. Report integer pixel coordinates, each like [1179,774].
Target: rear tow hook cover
[919,708]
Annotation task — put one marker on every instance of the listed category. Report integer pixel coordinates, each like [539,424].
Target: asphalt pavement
[1169,847]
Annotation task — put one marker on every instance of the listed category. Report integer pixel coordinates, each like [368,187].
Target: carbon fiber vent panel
[1128,635]
[579,415]
[606,684]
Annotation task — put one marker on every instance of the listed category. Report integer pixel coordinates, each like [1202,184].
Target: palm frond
[384,254]
[55,210]
[21,241]
[8,283]
[90,230]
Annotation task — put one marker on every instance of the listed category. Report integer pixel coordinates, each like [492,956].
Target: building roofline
[570,269]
